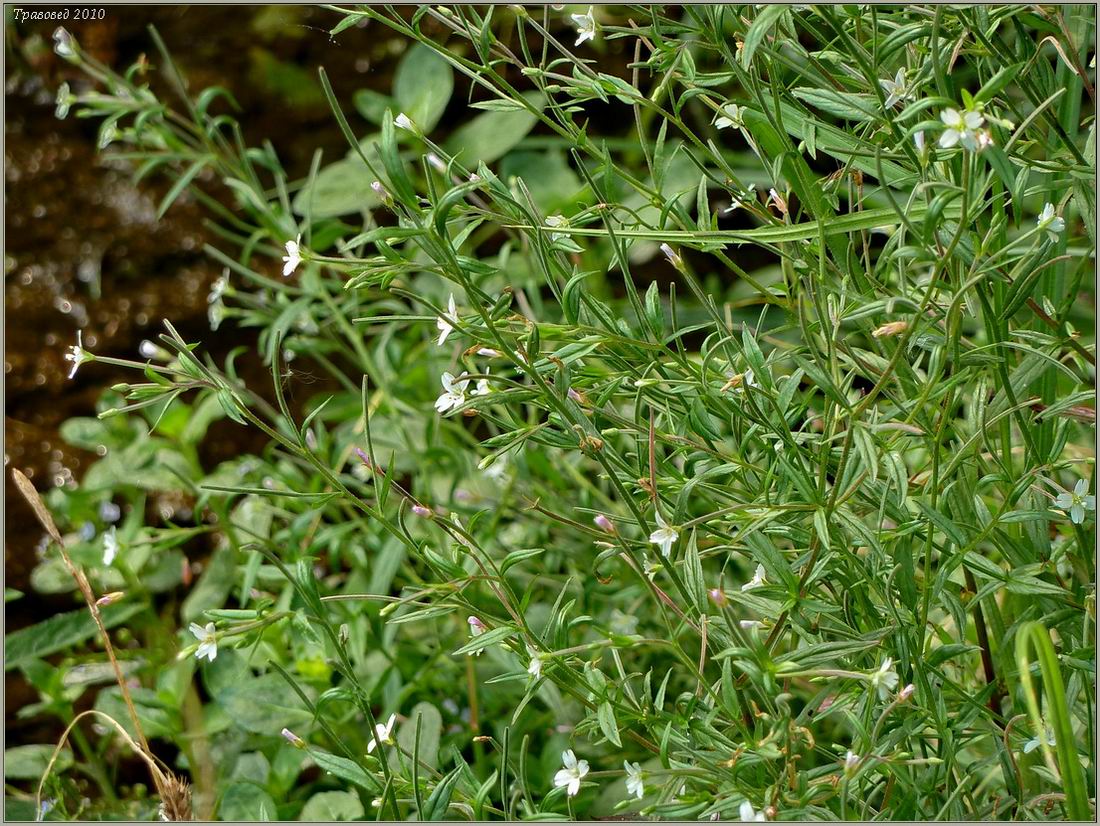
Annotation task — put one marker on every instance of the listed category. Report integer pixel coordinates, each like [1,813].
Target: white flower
[445,323]
[454,393]
[729,115]
[673,257]
[218,288]
[634,783]
[851,761]
[557,221]
[571,775]
[1034,742]
[748,814]
[664,536]
[477,628]
[382,734]
[77,354]
[961,127]
[758,579]
[482,389]
[896,89]
[65,99]
[918,139]
[749,625]
[293,256]
[586,30]
[402,120]
[885,679]
[208,642]
[1052,223]
[1076,503]
[110,546]
[534,667]
[738,202]
[63,43]
[488,352]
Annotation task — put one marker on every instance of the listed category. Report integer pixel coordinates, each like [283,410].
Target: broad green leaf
[329,806]
[247,802]
[431,729]
[29,762]
[422,86]
[60,632]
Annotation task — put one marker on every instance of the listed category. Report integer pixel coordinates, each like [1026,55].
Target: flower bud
[906,693]
[718,597]
[421,510]
[604,524]
[890,329]
[673,257]
[108,599]
[344,633]
[293,739]
[402,121]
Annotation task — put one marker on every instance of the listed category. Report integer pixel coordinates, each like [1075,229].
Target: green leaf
[329,806]
[339,189]
[247,802]
[264,705]
[29,762]
[422,86]
[440,799]
[767,18]
[431,729]
[343,768]
[60,632]
[605,714]
[490,135]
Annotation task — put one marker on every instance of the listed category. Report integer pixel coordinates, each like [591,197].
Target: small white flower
[648,567]
[729,116]
[454,393]
[750,625]
[402,121]
[918,140]
[885,679]
[758,578]
[634,783]
[77,354]
[534,667]
[557,221]
[961,127]
[436,162]
[482,389]
[1052,223]
[673,257]
[477,628]
[208,641]
[1034,742]
[293,256]
[65,100]
[665,535]
[851,761]
[1076,503]
[382,734]
[749,814]
[218,288]
[488,352]
[63,43]
[586,28]
[738,202]
[110,546]
[570,777]
[896,89]
[446,323]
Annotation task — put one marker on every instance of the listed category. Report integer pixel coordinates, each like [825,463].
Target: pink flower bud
[107,599]
[718,597]
[906,693]
[293,738]
[362,454]
[476,626]
[604,524]
[420,510]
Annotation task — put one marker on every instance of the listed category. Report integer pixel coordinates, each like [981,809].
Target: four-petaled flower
[1077,502]
[382,734]
[586,26]
[664,536]
[110,546]
[1051,222]
[454,393]
[446,323]
[482,389]
[749,814]
[208,641]
[634,783]
[895,89]
[534,667]
[758,578]
[961,127]
[77,354]
[571,775]
[729,116]
[885,679]
[293,256]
